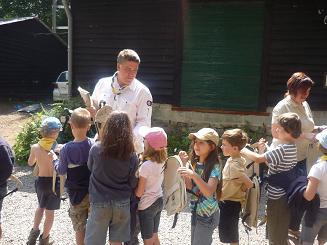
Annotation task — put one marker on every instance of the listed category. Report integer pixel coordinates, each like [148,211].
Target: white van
[60,91]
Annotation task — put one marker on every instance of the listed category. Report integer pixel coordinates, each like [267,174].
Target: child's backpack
[250,207]
[174,189]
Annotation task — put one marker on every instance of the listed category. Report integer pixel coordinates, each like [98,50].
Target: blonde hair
[235,137]
[81,118]
[158,156]
[128,55]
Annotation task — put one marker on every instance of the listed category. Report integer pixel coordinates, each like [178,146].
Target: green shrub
[30,133]
[177,139]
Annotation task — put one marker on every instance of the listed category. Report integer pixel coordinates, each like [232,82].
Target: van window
[62,77]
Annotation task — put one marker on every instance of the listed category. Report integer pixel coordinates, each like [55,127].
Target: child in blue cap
[47,199]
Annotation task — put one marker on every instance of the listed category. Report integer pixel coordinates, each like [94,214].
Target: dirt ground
[11,121]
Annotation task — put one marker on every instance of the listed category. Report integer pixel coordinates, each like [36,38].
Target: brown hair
[298,82]
[211,160]
[128,55]
[291,123]
[81,118]
[235,137]
[117,136]
[158,156]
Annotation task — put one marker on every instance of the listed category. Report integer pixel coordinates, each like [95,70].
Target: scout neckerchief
[47,143]
[323,158]
[113,89]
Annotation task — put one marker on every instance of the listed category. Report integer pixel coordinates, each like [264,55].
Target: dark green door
[222,55]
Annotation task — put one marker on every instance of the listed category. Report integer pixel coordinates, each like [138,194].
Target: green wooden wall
[222,54]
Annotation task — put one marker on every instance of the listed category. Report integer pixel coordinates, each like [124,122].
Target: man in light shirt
[124,92]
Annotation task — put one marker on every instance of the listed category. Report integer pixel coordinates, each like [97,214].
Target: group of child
[103,175]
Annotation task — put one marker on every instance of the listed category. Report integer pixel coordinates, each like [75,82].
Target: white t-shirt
[153,173]
[319,171]
[135,100]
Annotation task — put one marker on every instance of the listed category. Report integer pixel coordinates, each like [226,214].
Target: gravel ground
[18,211]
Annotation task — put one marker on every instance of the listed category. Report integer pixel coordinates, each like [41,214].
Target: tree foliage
[25,8]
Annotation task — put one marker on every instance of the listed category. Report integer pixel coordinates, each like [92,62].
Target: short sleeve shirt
[282,158]
[206,206]
[305,114]
[153,173]
[233,170]
[319,171]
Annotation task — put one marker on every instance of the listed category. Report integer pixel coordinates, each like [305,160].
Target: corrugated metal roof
[11,21]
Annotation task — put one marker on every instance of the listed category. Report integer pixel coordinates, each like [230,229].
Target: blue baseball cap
[51,123]
[322,138]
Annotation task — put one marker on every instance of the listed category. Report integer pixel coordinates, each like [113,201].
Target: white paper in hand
[85,96]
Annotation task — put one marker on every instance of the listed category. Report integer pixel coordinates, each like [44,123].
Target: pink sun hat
[156,137]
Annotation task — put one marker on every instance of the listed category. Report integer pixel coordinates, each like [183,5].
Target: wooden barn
[209,56]
[31,58]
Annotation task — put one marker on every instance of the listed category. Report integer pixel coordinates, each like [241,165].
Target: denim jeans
[114,215]
[202,228]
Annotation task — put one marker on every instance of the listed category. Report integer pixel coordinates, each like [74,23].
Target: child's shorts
[228,222]
[79,213]
[319,228]
[150,219]
[47,199]
[3,191]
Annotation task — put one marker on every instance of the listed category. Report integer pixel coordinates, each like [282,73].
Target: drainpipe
[70,46]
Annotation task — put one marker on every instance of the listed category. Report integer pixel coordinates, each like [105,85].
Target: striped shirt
[280,159]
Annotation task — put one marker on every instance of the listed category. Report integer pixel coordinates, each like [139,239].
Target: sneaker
[45,241]
[34,234]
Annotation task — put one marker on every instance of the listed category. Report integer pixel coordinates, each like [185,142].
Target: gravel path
[18,211]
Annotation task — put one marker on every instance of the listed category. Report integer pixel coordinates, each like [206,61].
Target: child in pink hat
[149,188]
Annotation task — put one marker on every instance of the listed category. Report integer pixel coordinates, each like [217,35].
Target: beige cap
[102,114]
[205,134]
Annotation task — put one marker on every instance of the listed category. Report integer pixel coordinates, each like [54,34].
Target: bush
[30,133]
[178,139]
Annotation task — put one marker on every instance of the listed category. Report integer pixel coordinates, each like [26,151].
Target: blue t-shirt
[73,162]
[206,206]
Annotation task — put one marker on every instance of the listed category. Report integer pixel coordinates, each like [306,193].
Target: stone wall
[163,115]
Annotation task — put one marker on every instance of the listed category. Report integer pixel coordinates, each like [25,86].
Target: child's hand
[183,156]
[52,155]
[58,148]
[92,111]
[262,145]
[185,172]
